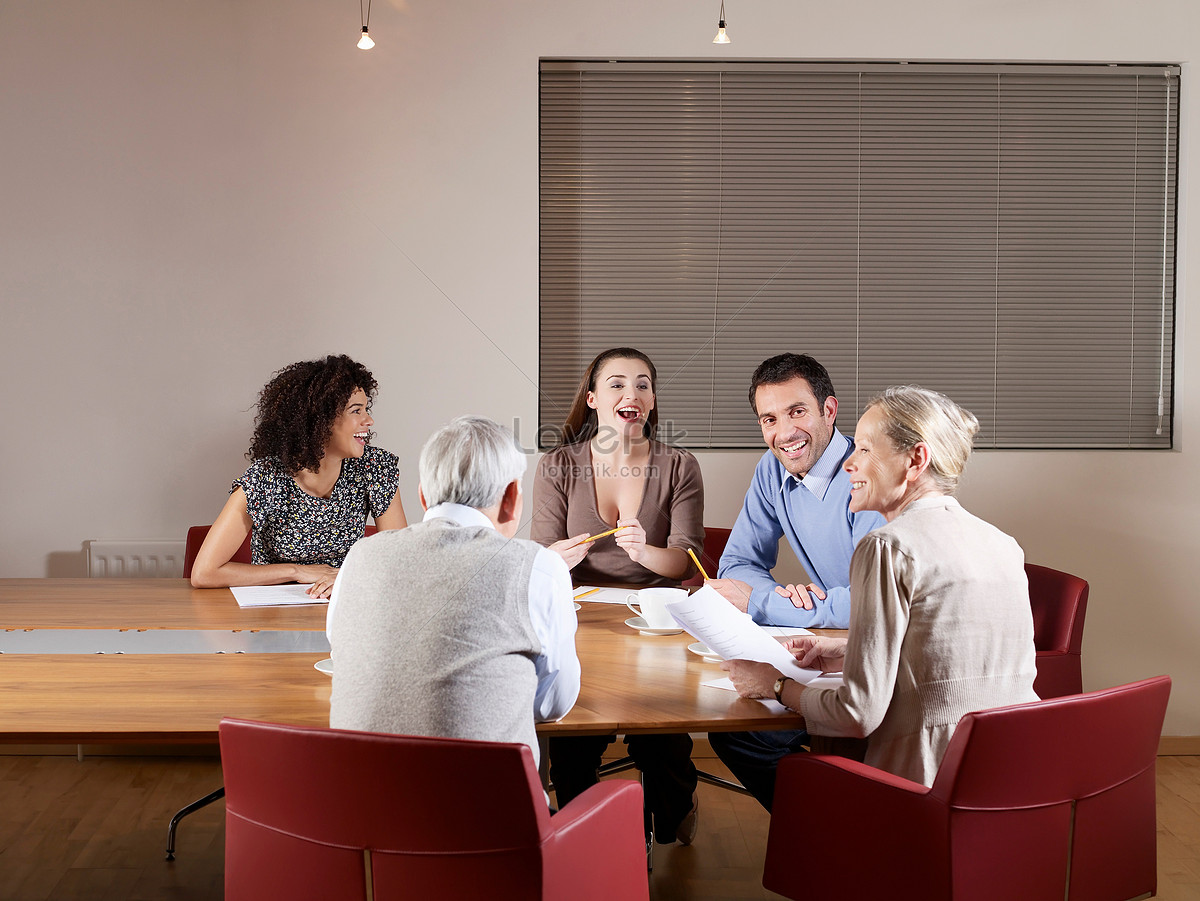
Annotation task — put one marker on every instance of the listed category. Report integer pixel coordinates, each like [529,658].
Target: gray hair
[914,415]
[469,461]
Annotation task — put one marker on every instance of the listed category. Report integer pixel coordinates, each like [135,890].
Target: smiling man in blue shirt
[799,490]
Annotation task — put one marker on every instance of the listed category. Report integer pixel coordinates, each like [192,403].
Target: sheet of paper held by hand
[274,595]
[733,634]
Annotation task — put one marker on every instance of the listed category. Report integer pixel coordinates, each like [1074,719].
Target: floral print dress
[292,526]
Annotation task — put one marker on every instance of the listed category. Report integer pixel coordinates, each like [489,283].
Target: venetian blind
[1001,233]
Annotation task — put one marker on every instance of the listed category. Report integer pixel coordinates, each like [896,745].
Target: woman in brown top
[610,472]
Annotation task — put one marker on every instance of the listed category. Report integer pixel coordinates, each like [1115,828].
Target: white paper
[826,680]
[733,634]
[726,684]
[602,595]
[274,595]
[785,631]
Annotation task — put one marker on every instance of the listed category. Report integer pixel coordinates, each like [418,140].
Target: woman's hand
[320,575]
[572,550]
[817,652]
[751,678]
[631,539]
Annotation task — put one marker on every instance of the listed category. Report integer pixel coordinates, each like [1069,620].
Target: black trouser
[753,757]
[668,774]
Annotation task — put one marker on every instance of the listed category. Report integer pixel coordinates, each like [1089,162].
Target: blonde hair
[914,415]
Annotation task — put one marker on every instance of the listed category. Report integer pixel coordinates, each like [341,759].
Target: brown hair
[785,367]
[581,423]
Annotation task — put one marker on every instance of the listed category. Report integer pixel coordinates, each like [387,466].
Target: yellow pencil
[602,534]
[696,560]
[586,593]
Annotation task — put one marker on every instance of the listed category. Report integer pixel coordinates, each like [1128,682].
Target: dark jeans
[668,774]
[753,756]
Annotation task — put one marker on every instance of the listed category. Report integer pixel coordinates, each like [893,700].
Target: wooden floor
[96,830]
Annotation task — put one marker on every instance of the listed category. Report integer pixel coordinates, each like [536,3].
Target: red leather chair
[195,538]
[331,814]
[1059,602]
[714,546]
[1045,801]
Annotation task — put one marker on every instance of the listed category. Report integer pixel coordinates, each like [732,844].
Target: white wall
[196,193]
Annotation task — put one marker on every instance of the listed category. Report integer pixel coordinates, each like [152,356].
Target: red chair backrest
[442,817]
[1072,777]
[714,546]
[195,538]
[1059,604]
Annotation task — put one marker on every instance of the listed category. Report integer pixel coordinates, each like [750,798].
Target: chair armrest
[595,848]
[840,828]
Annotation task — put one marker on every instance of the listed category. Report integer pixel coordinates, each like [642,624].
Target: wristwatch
[779,687]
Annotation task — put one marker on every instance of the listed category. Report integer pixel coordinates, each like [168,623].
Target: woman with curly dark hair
[311,483]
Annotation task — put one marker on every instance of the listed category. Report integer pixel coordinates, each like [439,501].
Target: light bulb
[365,42]
[722,37]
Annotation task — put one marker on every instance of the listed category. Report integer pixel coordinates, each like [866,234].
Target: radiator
[151,559]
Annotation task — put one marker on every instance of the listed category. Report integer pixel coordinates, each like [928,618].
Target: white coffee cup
[653,603]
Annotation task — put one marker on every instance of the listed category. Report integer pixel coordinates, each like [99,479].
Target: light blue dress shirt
[814,514]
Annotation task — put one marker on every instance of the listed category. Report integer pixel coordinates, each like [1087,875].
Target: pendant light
[365,42]
[722,37]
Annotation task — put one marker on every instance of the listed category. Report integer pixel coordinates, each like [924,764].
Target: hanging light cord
[366,19]
[1162,315]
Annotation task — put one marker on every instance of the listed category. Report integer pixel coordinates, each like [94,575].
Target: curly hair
[298,407]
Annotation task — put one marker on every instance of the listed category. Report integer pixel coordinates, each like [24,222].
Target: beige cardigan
[940,625]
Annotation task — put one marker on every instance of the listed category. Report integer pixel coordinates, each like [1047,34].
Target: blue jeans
[753,756]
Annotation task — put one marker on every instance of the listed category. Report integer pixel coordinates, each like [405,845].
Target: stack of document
[274,595]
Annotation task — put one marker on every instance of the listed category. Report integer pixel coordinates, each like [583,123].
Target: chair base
[722,782]
[191,808]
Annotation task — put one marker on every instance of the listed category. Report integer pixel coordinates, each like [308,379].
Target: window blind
[1001,233]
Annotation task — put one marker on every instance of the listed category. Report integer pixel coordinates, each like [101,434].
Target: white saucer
[709,655]
[325,666]
[636,622]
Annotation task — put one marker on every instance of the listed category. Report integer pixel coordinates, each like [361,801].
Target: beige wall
[195,193]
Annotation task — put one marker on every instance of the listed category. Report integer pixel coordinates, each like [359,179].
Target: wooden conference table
[631,682]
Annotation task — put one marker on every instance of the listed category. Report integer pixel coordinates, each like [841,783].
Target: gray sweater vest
[431,635]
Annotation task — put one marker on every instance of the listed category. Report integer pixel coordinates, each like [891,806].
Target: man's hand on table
[735,591]
[801,596]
